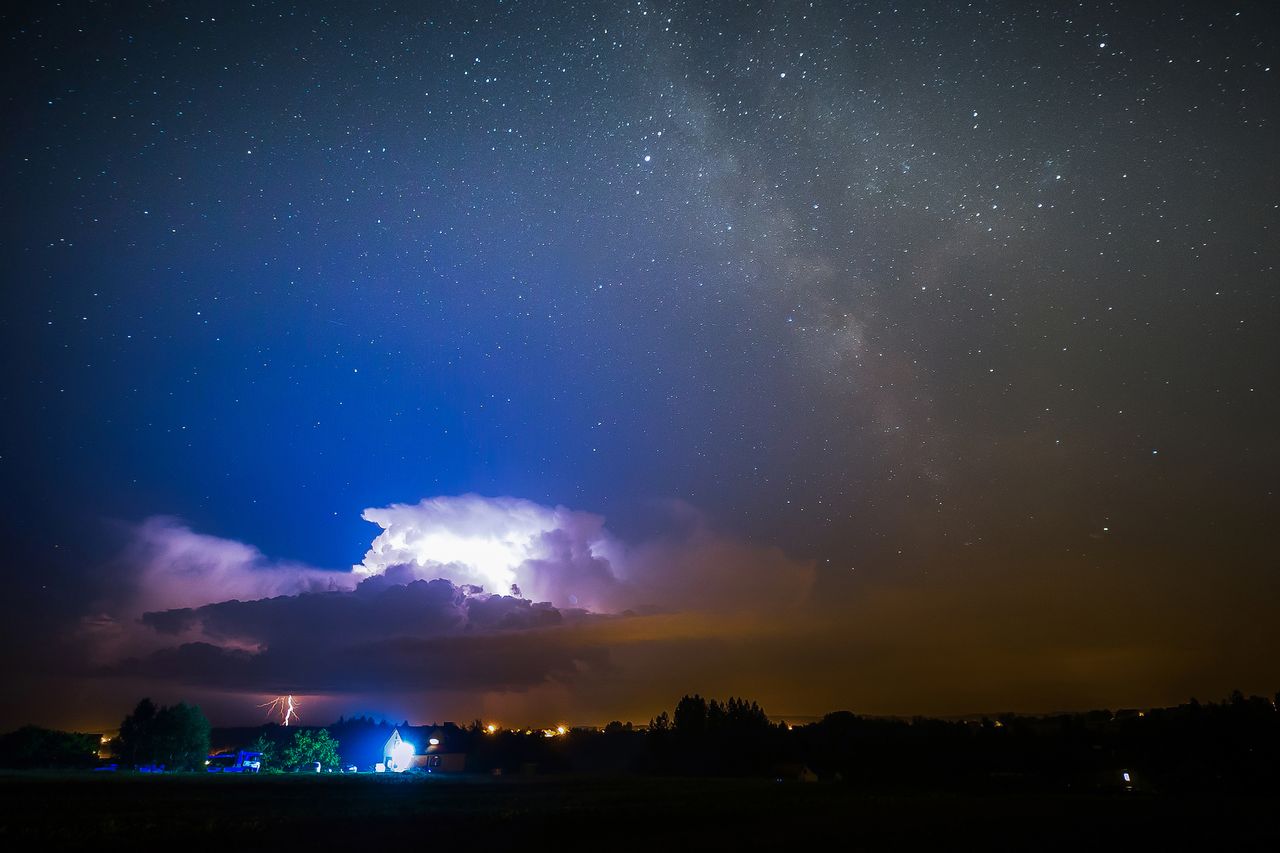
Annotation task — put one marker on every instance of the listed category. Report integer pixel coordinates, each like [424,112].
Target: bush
[31,747]
[310,746]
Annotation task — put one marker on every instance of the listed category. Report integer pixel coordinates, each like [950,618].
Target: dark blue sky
[900,290]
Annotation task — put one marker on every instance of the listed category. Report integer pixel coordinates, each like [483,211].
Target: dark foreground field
[290,812]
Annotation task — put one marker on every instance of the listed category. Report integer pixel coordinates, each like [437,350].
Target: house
[397,754]
[400,755]
[442,754]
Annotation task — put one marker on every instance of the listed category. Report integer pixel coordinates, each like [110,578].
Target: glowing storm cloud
[494,543]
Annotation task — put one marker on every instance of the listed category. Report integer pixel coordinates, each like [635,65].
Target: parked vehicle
[235,762]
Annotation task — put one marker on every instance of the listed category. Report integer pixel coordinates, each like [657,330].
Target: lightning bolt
[284,706]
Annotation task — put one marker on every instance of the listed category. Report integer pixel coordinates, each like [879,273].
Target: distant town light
[491,728]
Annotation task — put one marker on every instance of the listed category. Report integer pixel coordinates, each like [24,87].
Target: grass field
[56,811]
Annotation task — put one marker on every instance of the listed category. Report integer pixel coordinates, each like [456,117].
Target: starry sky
[906,358]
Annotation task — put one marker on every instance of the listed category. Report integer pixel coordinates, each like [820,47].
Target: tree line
[1233,744]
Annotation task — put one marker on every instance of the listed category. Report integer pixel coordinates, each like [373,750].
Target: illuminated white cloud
[548,553]
[570,558]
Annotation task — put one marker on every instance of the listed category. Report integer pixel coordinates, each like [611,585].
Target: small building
[441,762]
[441,754]
[397,754]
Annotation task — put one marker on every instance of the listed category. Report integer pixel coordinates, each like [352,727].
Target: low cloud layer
[455,593]
[382,635]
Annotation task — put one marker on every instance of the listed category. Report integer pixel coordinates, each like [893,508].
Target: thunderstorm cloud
[457,593]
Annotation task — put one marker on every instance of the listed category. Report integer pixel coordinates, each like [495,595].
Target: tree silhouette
[270,758]
[691,716]
[176,737]
[32,746]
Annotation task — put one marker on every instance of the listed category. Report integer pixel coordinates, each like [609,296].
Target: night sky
[904,358]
